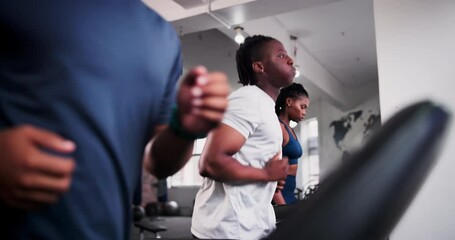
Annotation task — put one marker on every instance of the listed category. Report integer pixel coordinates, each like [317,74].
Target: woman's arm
[285,134]
[278,198]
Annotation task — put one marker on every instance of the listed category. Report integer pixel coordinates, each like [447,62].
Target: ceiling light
[292,124]
[297,68]
[239,38]
[297,71]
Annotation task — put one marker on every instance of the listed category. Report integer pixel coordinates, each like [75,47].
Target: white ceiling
[335,46]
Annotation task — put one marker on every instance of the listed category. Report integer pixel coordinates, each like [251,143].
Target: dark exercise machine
[366,196]
[146,220]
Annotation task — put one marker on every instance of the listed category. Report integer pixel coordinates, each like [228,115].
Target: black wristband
[176,127]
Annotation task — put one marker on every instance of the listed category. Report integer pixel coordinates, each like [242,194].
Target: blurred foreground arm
[202,100]
[30,176]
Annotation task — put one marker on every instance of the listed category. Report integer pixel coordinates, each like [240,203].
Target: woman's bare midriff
[292,170]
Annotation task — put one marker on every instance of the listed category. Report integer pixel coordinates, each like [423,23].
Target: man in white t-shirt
[241,162]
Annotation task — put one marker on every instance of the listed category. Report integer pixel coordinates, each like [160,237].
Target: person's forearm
[168,154]
[228,169]
[278,198]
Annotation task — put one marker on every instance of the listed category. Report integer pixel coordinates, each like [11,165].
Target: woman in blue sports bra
[291,104]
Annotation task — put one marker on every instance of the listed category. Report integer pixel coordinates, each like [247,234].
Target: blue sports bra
[292,149]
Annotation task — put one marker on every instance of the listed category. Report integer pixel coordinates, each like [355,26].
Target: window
[189,175]
[309,162]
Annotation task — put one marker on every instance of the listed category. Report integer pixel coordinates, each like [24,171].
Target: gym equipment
[146,224]
[151,210]
[367,195]
[138,213]
[171,208]
[145,220]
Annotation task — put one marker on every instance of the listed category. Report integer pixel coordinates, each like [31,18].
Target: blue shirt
[102,74]
[292,149]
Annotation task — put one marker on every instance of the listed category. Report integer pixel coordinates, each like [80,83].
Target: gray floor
[177,228]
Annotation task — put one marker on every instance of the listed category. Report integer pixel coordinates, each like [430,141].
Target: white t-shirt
[242,210]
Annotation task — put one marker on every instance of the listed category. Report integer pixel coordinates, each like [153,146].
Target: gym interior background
[361,61]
